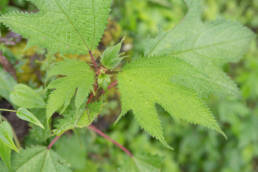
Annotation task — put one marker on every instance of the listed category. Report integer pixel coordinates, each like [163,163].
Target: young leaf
[7,84]
[26,115]
[148,80]
[90,114]
[24,96]
[6,135]
[64,26]
[77,76]
[39,159]
[206,46]
[111,58]
[5,154]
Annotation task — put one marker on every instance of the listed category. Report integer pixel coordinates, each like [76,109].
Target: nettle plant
[179,69]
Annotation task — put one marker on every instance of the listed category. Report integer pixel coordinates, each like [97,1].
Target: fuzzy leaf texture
[39,159]
[64,26]
[206,46]
[77,76]
[149,81]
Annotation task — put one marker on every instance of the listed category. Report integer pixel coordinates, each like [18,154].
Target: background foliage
[194,149]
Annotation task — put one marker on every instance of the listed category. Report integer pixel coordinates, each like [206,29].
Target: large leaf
[39,159]
[24,96]
[77,76]
[206,46]
[147,81]
[6,135]
[65,26]
[6,84]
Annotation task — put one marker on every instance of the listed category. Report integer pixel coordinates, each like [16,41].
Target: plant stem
[53,142]
[93,61]
[7,110]
[93,128]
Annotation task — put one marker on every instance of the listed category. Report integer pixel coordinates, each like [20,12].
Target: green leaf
[77,76]
[206,46]
[26,115]
[142,163]
[110,57]
[77,119]
[6,135]
[147,81]
[91,113]
[7,84]
[39,159]
[24,96]
[5,154]
[67,27]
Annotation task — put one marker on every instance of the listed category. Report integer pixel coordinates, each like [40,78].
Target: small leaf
[24,96]
[90,114]
[39,159]
[111,58]
[5,154]
[77,76]
[26,115]
[6,135]
[7,84]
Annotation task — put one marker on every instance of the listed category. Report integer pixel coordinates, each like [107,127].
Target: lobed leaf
[77,76]
[64,26]
[39,159]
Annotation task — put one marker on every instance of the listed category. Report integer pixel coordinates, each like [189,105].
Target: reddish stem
[93,61]
[53,142]
[113,84]
[93,128]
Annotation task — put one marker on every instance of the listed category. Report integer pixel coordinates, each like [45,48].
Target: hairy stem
[93,128]
[93,61]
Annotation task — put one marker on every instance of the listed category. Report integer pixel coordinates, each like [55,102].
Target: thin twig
[93,128]
[7,110]
[53,142]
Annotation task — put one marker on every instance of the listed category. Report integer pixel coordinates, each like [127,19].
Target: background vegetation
[196,148]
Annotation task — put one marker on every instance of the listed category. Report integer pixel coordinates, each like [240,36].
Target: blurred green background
[196,149]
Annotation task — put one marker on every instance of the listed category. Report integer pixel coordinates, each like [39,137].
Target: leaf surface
[146,82]
[39,159]
[5,154]
[206,46]
[6,135]
[64,26]
[26,115]
[7,84]
[77,76]
[24,96]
